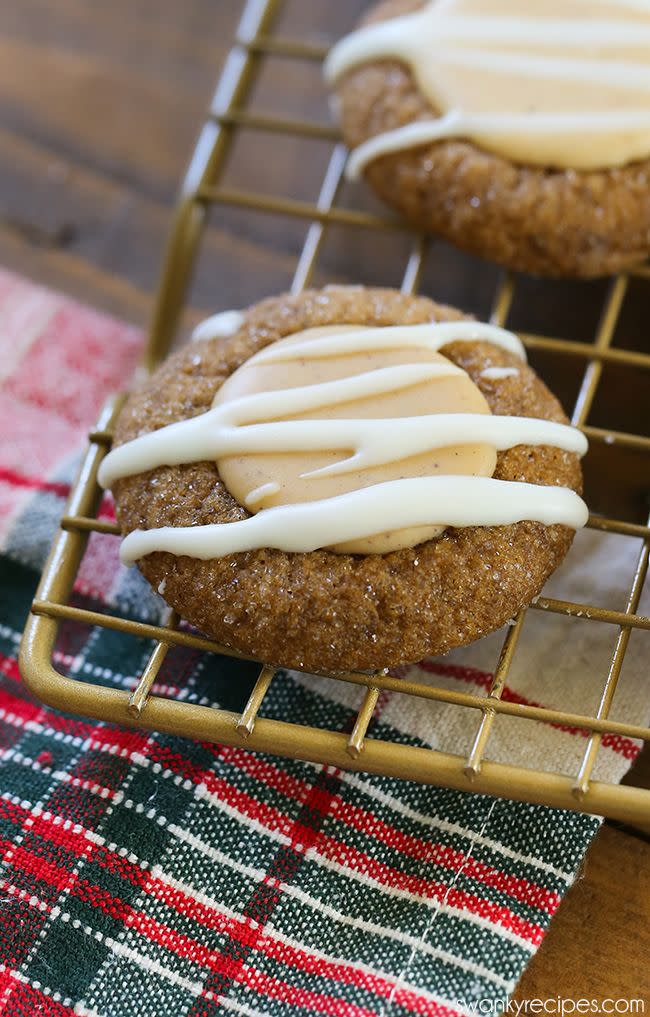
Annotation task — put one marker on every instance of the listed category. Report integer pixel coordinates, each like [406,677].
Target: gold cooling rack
[255,45]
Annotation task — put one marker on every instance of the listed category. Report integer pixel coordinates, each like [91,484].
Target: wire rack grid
[201,190]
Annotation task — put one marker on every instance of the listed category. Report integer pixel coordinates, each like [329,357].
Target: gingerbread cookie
[352,478]
[520,134]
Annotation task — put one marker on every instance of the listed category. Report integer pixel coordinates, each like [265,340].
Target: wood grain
[599,943]
[99,107]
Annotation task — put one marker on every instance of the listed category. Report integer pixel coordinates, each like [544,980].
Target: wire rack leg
[208,158]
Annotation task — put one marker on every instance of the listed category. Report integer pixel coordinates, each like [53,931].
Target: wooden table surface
[100,104]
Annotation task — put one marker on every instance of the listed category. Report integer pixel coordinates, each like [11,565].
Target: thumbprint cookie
[520,132]
[347,478]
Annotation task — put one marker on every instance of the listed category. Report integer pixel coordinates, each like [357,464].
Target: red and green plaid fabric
[143,874]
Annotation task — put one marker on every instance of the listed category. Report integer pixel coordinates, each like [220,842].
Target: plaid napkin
[147,875]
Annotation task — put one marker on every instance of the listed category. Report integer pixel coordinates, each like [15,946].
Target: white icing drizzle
[431,336]
[213,435]
[574,95]
[260,493]
[249,425]
[498,373]
[419,501]
[219,326]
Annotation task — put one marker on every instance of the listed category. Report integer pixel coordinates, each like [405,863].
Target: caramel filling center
[261,480]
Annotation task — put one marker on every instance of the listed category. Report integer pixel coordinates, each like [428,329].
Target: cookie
[522,137]
[358,431]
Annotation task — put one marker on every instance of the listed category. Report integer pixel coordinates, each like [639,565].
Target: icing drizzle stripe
[511,131]
[219,326]
[431,336]
[448,501]
[212,436]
